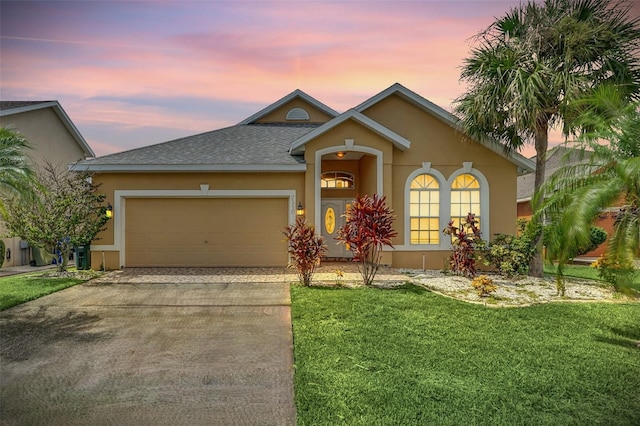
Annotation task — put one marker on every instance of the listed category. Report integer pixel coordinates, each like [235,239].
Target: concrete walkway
[152,347]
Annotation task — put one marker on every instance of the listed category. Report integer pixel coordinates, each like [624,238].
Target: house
[557,157]
[53,138]
[223,198]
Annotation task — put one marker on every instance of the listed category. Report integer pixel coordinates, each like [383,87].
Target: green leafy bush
[597,236]
[305,249]
[615,272]
[2,249]
[511,254]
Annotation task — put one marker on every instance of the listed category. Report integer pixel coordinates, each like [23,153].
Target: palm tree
[576,195]
[533,65]
[15,170]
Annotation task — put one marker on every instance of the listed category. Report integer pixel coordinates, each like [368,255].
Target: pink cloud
[339,52]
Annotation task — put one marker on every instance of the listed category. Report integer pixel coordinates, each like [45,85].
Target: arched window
[465,198]
[297,114]
[337,180]
[424,210]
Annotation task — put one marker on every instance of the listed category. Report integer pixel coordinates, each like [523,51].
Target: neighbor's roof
[8,108]
[251,147]
[557,157]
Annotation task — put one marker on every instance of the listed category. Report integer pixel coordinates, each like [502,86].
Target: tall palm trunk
[536,266]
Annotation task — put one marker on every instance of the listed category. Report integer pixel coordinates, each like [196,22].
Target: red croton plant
[465,240]
[305,249]
[368,228]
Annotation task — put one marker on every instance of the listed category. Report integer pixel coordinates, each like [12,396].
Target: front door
[333,219]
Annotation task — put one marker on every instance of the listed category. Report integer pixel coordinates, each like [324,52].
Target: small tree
[465,240]
[305,248]
[367,230]
[68,211]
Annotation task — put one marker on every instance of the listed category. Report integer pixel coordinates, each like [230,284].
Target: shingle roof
[557,157]
[253,147]
[6,105]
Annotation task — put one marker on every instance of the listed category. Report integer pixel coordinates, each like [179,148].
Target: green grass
[577,271]
[409,357]
[17,289]
[587,272]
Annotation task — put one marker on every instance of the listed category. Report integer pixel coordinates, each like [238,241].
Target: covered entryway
[205,232]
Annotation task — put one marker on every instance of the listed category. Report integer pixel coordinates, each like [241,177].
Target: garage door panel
[205,232]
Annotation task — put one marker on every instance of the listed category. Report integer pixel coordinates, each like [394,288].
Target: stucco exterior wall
[110,182]
[435,142]
[50,139]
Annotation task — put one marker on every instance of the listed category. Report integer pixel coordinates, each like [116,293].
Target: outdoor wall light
[109,211]
[340,154]
[300,209]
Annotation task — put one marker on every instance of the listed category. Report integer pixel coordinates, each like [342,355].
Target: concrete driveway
[151,347]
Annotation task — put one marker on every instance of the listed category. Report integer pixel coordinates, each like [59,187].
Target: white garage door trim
[120,205]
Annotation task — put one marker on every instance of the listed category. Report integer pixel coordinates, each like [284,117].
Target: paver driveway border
[152,347]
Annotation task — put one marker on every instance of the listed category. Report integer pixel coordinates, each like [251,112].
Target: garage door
[205,232]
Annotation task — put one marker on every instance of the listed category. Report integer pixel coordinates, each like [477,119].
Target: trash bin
[83,257]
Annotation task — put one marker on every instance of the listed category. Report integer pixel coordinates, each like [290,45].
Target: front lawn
[409,357]
[17,289]
[588,272]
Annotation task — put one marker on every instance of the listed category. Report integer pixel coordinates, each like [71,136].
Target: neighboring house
[557,158]
[223,198]
[53,138]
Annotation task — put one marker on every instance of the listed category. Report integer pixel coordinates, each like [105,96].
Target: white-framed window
[424,210]
[431,200]
[465,198]
[337,180]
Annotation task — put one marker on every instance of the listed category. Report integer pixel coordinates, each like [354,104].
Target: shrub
[305,249]
[597,236]
[483,285]
[2,249]
[464,241]
[511,254]
[615,272]
[368,228]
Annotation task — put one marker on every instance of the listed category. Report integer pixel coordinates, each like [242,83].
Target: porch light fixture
[340,154]
[300,209]
[109,212]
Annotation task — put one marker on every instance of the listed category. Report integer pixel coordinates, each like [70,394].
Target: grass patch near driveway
[17,289]
[407,356]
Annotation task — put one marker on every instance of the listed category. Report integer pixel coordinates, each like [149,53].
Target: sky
[135,73]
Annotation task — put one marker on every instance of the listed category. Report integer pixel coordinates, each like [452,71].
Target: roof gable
[524,164]
[8,108]
[293,114]
[297,147]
